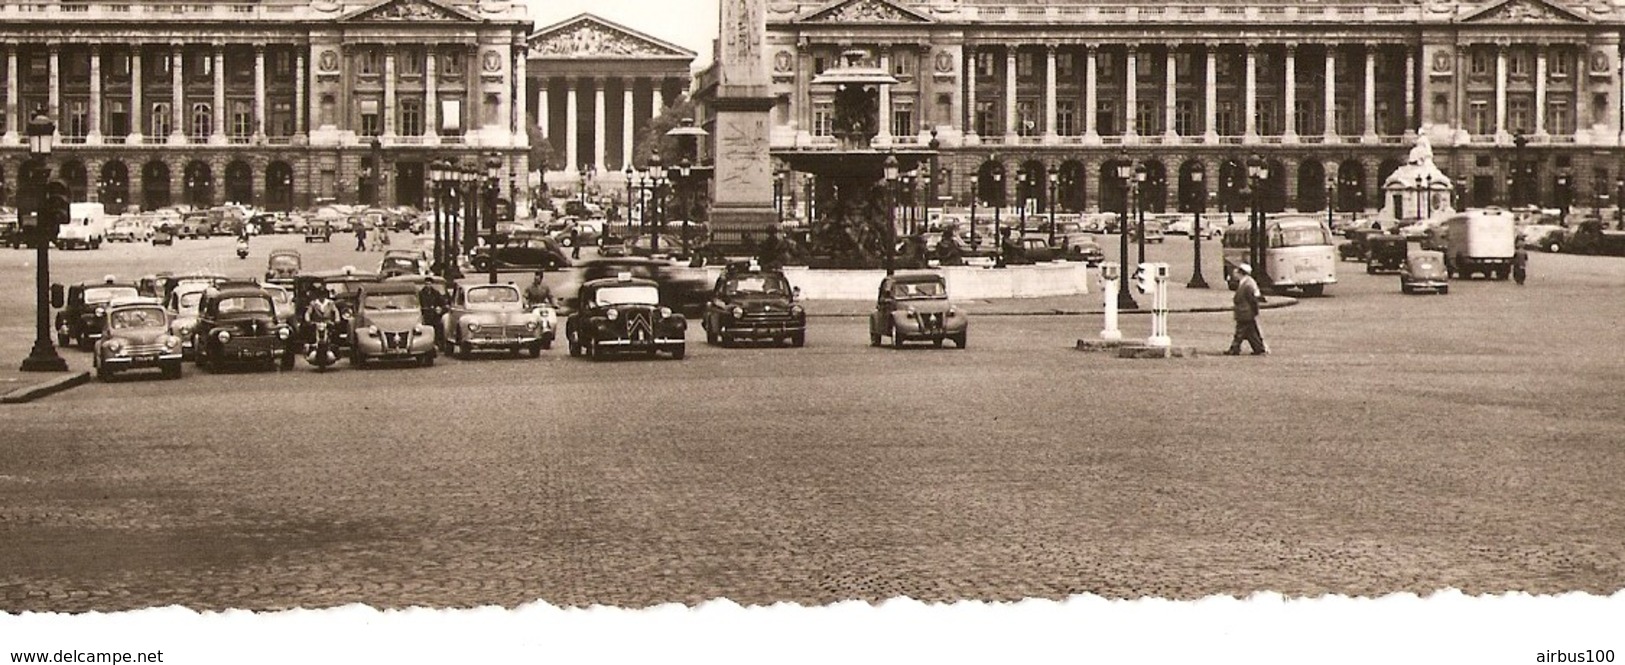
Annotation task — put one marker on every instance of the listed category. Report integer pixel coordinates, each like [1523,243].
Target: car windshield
[639,294]
[400,262]
[189,301]
[772,285]
[377,301]
[246,304]
[492,295]
[917,290]
[282,296]
[141,317]
[106,293]
[284,261]
[1300,235]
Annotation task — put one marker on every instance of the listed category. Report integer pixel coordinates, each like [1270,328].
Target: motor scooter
[242,249]
[320,350]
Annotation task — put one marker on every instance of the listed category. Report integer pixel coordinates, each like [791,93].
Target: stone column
[53,102]
[1290,86]
[521,102]
[970,92]
[1540,90]
[803,98]
[431,96]
[599,142]
[1090,99]
[1171,69]
[93,130]
[626,123]
[177,96]
[572,154]
[1501,90]
[259,91]
[883,119]
[299,101]
[1329,114]
[1050,135]
[1210,110]
[219,119]
[1370,93]
[13,113]
[657,97]
[138,115]
[1413,115]
[1251,94]
[1130,90]
[1010,118]
[389,96]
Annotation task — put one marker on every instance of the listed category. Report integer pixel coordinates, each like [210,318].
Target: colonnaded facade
[594,85]
[277,103]
[1520,99]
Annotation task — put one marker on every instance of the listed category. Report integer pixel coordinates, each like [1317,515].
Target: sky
[688,23]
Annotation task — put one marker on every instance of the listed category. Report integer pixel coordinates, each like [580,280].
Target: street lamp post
[905,200]
[630,173]
[685,198]
[471,211]
[1619,203]
[1054,183]
[655,179]
[1564,197]
[1419,198]
[1199,178]
[891,211]
[437,184]
[998,207]
[1257,173]
[778,197]
[1024,186]
[1138,194]
[43,357]
[975,193]
[1331,188]
[1125,174]
[493,172]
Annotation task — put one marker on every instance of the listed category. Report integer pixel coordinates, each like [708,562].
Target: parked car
[237,324]
[128,229]
[85,310]
[137,337]
[750,302]
[624,314]
[161,235]
[1544,237]
[1356,247]
[493,316]
[403,262]
[1154,231]
[520,251]
[387,324]
[195,225]
[282,301]
[1424,271]
[318,231]
[913,305]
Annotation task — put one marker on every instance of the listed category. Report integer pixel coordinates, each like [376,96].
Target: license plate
[1304,268]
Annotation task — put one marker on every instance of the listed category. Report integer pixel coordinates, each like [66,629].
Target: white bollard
[1159,307]
[1109,274]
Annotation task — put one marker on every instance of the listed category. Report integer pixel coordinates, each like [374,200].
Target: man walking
[361,237]
[1246,308]
[1520,265]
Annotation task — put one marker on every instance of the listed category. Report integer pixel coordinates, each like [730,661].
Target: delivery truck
[1482,242]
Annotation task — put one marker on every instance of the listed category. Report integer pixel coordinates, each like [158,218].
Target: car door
[454,313]
[883,304]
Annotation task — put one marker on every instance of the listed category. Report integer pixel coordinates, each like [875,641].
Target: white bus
[1298,253]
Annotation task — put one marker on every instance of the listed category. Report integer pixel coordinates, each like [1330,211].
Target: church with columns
[1520,99]
[594,85]
[280,104]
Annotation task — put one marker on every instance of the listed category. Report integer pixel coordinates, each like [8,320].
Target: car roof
[389,288]
[239,291]
[141,301]
[617,281]
[342,275]
[917,276]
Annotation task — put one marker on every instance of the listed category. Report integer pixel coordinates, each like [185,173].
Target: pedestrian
[538,292]
[1246,308]
[361,238]
[575,241]
[1520,265]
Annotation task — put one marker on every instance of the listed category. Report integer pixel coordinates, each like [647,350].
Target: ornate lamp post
[655,180]
[974,194]
[1199,178]
[1137,193]
[43,357]
[905,200]
[891,212]
[1331,195]
[685,197]
[630,174]
[1563,197]
[1024,186]
[1257,173]
[1054,183]
[778,197]
[470,177]
[941,179]
[1419,192]
[998,206]
[493,173]
[1125,173]
[437,186]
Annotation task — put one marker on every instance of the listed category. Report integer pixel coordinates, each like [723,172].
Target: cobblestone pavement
[1387,444]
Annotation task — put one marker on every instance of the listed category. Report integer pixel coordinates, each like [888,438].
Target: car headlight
[952,311]
[473,327]
[372,331]
[911,309]
[665,312]
[530,325]
[116,346]
[796,310]
[739,312]
[283,333]
[418,329]
[224,336]
[101,312]
[612,314]
[171,342]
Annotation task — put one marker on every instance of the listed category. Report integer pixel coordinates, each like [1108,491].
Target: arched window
[161,116]
[202,120]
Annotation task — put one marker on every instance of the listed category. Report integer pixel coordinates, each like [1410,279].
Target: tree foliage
[654,134]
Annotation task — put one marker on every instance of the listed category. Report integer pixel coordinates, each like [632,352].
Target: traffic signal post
[50,213]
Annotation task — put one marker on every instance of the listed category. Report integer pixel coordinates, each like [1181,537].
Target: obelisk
[742,190]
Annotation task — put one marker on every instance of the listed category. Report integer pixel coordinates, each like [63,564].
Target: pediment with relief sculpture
[864,11]
[589,37]
[1525,12]
[413,11]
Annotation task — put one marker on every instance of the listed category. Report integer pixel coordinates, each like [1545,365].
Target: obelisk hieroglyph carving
[742,191]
